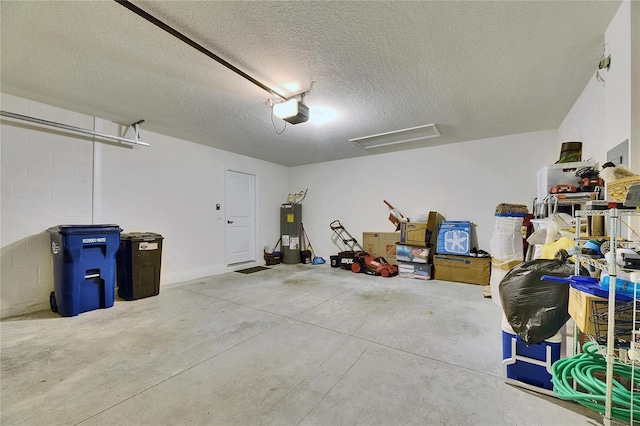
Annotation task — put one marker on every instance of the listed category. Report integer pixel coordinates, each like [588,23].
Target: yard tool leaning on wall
[316,260]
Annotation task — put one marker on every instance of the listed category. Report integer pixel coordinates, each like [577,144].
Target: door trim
[255,175]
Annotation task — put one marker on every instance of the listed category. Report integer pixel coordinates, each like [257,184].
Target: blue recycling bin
[84,267]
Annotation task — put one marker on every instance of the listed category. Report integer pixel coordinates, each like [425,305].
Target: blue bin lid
[84,229]
[587,284]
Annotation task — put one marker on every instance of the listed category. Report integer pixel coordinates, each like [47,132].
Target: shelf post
[613,232]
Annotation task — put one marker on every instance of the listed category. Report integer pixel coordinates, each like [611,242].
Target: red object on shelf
[395,216]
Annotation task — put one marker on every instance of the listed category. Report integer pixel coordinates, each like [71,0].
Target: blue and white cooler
[529,366]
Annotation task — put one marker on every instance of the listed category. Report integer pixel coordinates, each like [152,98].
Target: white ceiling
[476,69]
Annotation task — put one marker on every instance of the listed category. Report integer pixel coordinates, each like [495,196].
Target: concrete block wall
[51,177]
[46,181]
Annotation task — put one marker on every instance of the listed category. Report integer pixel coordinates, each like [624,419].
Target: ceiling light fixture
[411,134]
[291,111]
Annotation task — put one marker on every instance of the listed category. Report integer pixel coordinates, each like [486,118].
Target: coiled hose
[583,369]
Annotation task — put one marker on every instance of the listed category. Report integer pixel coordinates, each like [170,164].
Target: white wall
[635,84]
[46,181]
[463,181]
[602,116]
[50,177]
[173,187]
[607,114]
[617,89]
[585,123]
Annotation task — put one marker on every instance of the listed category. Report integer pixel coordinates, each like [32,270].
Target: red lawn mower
[367,263]
[360,261]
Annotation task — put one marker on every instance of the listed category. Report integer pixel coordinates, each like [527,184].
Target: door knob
[229,221]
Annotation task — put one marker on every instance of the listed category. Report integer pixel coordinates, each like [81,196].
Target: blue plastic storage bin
[84,267]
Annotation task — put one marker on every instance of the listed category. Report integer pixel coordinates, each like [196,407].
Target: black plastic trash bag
[537,309]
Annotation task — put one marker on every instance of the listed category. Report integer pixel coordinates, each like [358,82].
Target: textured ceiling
[476,69]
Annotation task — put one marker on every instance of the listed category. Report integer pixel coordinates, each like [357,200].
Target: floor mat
[252,270]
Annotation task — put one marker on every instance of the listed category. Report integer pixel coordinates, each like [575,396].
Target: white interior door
[240,217]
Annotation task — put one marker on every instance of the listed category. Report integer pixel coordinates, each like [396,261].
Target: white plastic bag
[506,242]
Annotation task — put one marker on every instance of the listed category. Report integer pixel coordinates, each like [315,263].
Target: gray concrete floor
[295,344]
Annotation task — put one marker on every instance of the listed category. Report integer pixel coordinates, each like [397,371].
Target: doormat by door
[252,270]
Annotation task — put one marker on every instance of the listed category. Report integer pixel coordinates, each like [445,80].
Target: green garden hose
[582,369]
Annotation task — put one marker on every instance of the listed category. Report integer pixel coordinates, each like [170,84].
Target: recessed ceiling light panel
[395,137]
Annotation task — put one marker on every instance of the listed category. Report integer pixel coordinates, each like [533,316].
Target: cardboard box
[590,315]
[409,253]
[454,237]
[581,309]
[504,265]
[465,269]
[421,271]
[419,233]
[381,244]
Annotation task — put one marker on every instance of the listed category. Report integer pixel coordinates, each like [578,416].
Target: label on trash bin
[148,246]
[94,240]
[55,248]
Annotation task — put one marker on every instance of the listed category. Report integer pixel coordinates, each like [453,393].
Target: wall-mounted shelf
[75,129]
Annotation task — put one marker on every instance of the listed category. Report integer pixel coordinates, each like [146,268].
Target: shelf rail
[70,128]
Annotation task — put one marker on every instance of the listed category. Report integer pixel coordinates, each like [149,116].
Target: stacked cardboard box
[419,233]
[381,244]
[465,269]
[414,251]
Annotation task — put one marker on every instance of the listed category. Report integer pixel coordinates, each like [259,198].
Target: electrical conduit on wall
[96,203]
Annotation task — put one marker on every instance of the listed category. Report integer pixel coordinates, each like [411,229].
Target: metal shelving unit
[612,269]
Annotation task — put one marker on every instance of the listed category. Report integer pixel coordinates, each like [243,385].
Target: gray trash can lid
[141,236]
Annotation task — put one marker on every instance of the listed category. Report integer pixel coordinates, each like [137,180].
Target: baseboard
[172,278]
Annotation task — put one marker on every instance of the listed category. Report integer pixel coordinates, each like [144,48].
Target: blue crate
[84,267]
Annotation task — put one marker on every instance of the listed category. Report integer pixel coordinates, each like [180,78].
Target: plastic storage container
[139,260]
[529,366]
[83,267]
[272,258]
